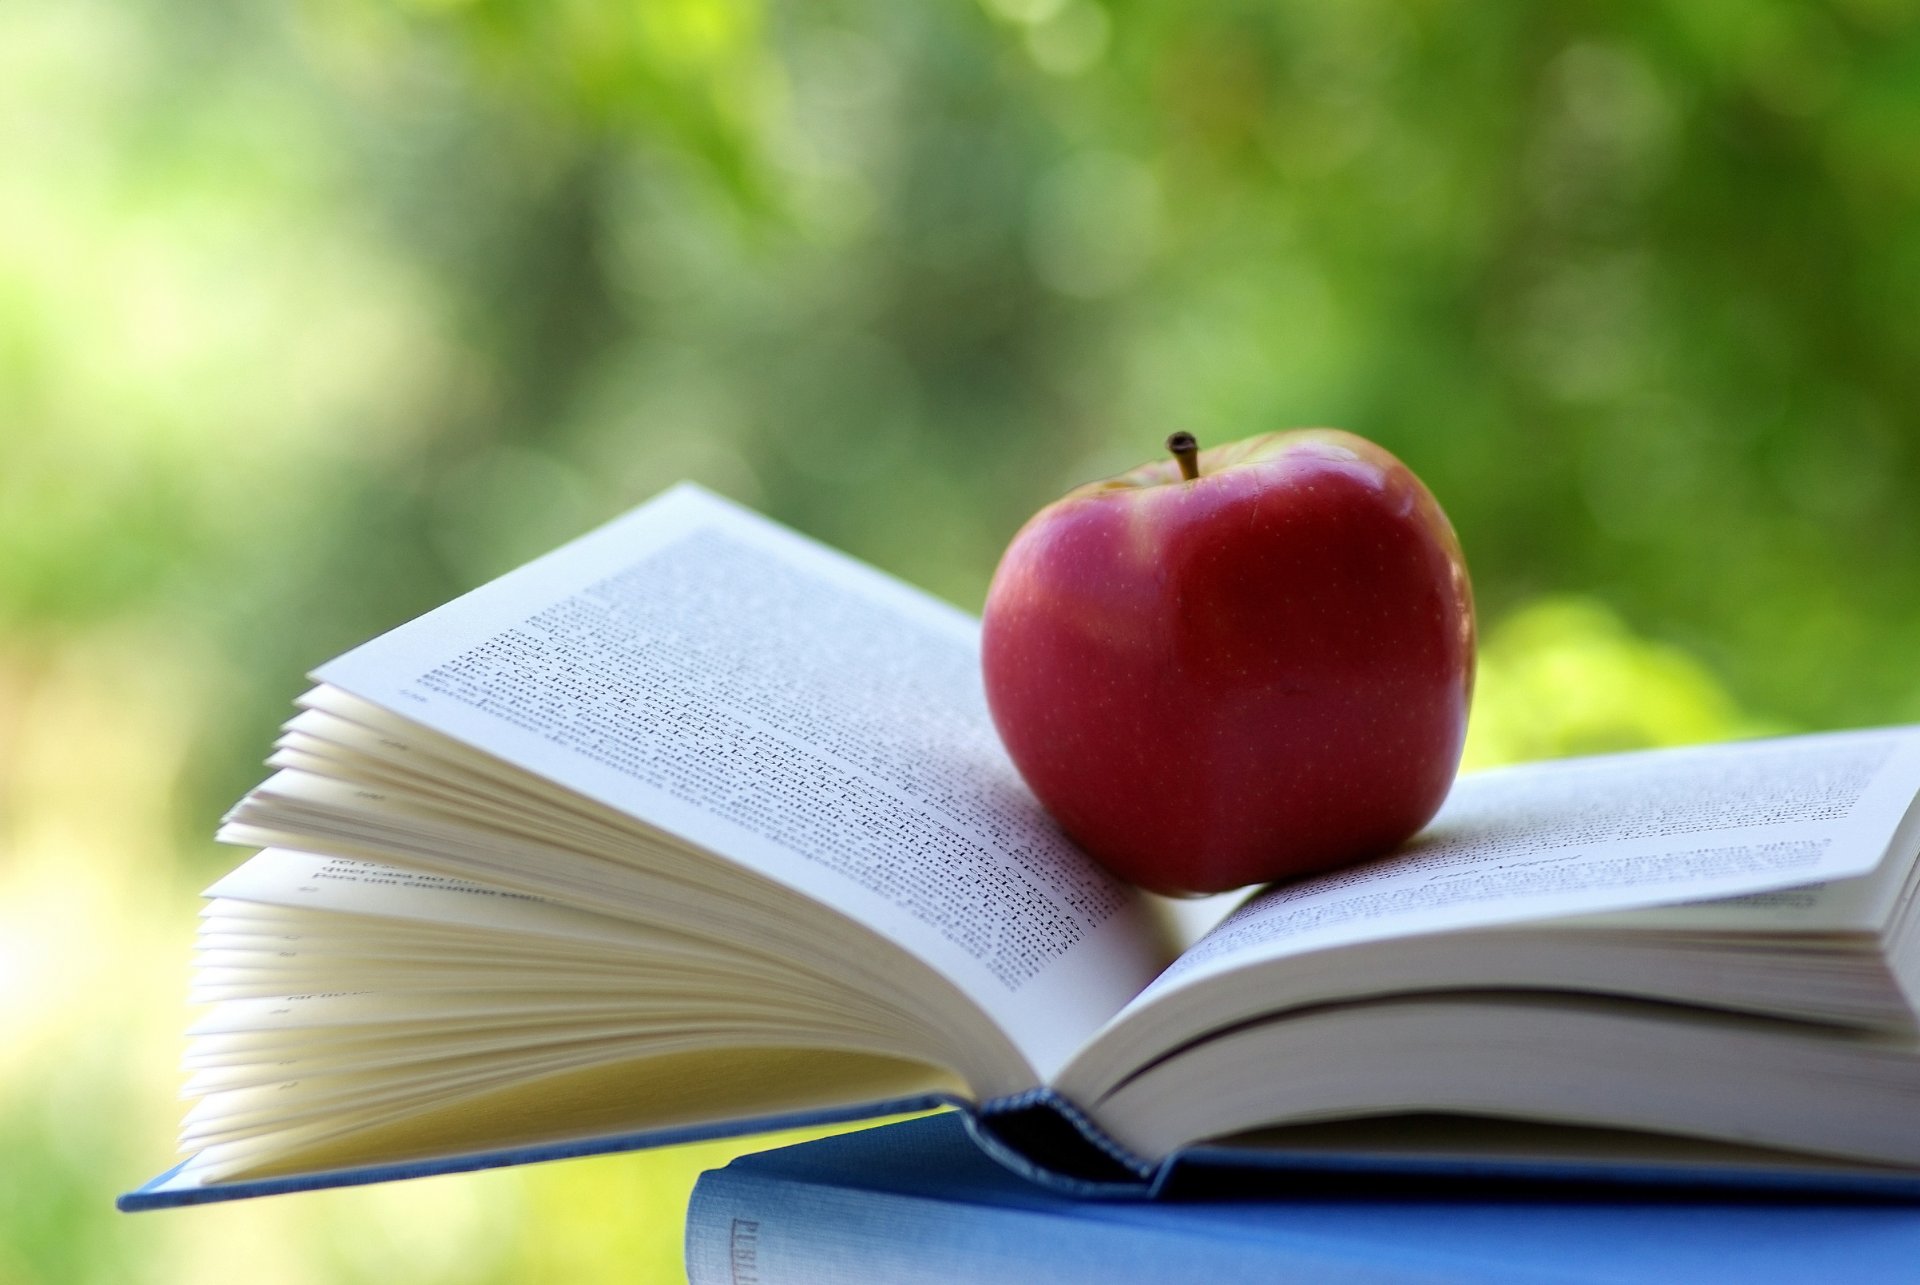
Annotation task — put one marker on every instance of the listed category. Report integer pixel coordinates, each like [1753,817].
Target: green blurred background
[312,315]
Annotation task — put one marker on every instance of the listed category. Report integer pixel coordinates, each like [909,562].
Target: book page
[302,881]
[1584,836]
[732,683]
[1862,904]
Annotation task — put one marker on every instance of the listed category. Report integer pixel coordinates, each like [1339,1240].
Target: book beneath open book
[694,826]
[916,1203]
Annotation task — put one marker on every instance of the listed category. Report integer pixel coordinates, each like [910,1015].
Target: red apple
[1238,667]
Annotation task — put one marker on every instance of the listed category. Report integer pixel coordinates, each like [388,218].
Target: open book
[694,826]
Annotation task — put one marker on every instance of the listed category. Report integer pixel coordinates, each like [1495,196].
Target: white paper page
[770,700]
[1862,904]
[303,881]
[1583,836]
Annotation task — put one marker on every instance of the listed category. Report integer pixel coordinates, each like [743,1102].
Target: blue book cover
[918,1201]
[1044,1141]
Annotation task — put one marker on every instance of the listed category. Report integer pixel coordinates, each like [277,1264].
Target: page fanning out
[788,708]
[1585,836]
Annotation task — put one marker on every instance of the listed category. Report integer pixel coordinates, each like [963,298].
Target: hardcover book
[695,827]
[916,1202]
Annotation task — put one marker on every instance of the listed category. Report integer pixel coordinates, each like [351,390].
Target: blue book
[918,1202]
[694,827]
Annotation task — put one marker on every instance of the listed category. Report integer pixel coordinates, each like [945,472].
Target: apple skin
[1258,673]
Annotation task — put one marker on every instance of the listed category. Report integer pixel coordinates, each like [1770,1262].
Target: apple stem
[1187,450]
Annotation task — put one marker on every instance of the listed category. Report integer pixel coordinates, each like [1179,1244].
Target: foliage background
[312,315]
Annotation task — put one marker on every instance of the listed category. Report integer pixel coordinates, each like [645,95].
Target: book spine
[755,1229]
[1047,1139]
